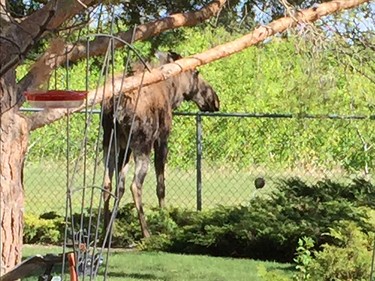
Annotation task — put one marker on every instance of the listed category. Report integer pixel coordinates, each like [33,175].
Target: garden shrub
[49,228]
[45,230]
[303,258]
[271,275]
[269,228]
[349,259]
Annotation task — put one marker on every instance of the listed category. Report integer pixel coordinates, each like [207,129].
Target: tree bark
[14,131]
[40,119]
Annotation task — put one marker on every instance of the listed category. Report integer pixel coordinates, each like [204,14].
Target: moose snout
[210,107]
[216,105]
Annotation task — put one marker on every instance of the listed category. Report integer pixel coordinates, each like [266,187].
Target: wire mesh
[236,150]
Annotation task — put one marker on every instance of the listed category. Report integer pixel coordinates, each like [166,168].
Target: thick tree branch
[99,45]
[5,17]
[258,35]
[31,29]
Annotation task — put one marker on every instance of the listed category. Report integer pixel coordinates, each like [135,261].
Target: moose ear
[167,57]
[162,56]
[174,56]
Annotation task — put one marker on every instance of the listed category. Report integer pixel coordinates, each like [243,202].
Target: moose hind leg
[123,168]
[141,167]
[109,159]
[161,152]
[109,162]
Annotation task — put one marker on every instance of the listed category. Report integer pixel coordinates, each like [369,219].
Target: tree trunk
[14,131]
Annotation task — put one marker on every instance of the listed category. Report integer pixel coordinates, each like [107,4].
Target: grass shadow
[140,276]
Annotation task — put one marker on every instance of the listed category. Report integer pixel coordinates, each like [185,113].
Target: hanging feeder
[56,98]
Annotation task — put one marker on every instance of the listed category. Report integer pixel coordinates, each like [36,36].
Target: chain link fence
[213,159]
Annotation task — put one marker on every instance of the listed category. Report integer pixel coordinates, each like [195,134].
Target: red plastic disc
[56,98]
[56,95]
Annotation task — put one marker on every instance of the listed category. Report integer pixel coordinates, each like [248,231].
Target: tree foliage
[286,75]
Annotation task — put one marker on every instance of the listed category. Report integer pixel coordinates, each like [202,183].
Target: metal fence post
[198,124]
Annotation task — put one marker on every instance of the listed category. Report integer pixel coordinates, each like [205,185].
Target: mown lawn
[146,266]
[45,186]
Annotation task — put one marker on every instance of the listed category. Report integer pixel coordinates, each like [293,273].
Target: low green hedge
[269,228]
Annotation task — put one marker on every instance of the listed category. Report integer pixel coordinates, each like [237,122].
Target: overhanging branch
[145,31]
[164,72]
[33,27]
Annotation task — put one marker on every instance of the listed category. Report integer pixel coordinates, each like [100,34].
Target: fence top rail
[276,115]
[250,115]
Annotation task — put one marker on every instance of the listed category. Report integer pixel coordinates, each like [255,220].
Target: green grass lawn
[146,266]
[45,185]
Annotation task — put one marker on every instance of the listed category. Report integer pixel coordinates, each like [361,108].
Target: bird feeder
[56,98]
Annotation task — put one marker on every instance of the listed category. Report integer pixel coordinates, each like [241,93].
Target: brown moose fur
[152,122]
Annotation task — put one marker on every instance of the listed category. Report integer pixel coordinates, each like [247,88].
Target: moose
[142,121]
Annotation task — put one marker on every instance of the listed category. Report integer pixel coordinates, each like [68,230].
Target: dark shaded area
[140,276]
[39,265]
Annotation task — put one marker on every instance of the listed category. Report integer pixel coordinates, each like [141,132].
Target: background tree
[47,32]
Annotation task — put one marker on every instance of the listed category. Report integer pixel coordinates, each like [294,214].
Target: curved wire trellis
[372,276]
[87,255]
[85,239]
